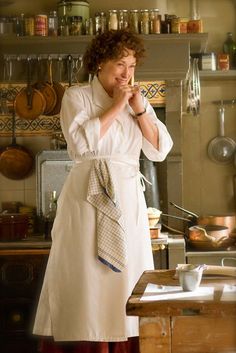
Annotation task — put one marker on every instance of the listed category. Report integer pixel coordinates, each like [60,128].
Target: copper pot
[13,226]
[208,232]
[228,221]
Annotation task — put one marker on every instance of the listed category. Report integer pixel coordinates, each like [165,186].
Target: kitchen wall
[207,186]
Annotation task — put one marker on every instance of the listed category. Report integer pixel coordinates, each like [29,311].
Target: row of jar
[139,21]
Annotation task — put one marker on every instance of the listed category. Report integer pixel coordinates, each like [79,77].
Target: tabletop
[157,293]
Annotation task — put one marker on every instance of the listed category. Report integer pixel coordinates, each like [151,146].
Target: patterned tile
[154,91]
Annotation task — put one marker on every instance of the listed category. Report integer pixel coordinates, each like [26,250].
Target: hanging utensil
[29,103]
[221,149]
[16,161]
[50,82]
[58,88]
[69,69]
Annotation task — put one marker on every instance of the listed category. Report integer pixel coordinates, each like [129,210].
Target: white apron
[81,298]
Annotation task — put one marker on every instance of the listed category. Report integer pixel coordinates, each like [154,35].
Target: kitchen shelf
[167,55]
[10,44]
[218,75]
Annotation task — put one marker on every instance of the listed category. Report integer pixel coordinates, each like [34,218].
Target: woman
[101,242]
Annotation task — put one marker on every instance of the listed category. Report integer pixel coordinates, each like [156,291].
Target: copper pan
[46,89]
[16,161]
[226,220]
[29,103]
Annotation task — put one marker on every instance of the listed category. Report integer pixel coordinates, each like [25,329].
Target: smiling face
[117,72]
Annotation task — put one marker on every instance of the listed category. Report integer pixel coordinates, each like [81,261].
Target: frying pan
[227,220]
[16,162]
[221,149]
[58,88]
[46,89]
[29,103]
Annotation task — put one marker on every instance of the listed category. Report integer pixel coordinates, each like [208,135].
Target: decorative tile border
[155,91]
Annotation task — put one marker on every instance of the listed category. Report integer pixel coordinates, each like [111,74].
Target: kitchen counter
[30,245]
[184,322]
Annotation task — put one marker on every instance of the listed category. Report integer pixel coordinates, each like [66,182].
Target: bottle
[229,47]
[50,215]
[20,26]
[52,24]
[89,26]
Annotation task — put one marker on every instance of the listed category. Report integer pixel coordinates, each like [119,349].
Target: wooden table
[193,325]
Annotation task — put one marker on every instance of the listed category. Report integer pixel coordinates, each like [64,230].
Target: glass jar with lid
[100,22]
[113,20]
[144,22]
[53,24]
[123,19]
[63,26]
[75,28]
[155,21]
[134,20]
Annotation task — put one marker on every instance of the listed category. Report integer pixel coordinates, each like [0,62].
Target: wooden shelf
[218,75]
[167,56]
[12,44]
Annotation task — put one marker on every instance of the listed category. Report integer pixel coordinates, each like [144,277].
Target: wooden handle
[220,270]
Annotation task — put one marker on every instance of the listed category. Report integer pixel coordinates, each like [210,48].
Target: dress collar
[100,96]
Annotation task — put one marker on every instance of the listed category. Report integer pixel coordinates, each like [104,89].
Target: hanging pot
[29,103]
[16,162]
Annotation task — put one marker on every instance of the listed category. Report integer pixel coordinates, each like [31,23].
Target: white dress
[81,298]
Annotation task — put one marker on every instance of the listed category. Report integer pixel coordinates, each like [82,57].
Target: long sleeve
[80,127]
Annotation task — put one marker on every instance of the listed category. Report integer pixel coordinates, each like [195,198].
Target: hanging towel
[111,243]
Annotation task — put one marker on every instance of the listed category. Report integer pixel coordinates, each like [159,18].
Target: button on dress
[81,298]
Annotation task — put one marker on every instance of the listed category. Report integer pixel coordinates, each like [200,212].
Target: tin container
[41,25]
[73,8]
[208,61]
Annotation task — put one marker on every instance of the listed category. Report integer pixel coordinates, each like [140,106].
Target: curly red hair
[112,45]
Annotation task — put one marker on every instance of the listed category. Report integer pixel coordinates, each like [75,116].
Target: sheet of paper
[229,293]
[155,292]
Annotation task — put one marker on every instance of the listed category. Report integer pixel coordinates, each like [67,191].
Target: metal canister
[41,25]
[29,26]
